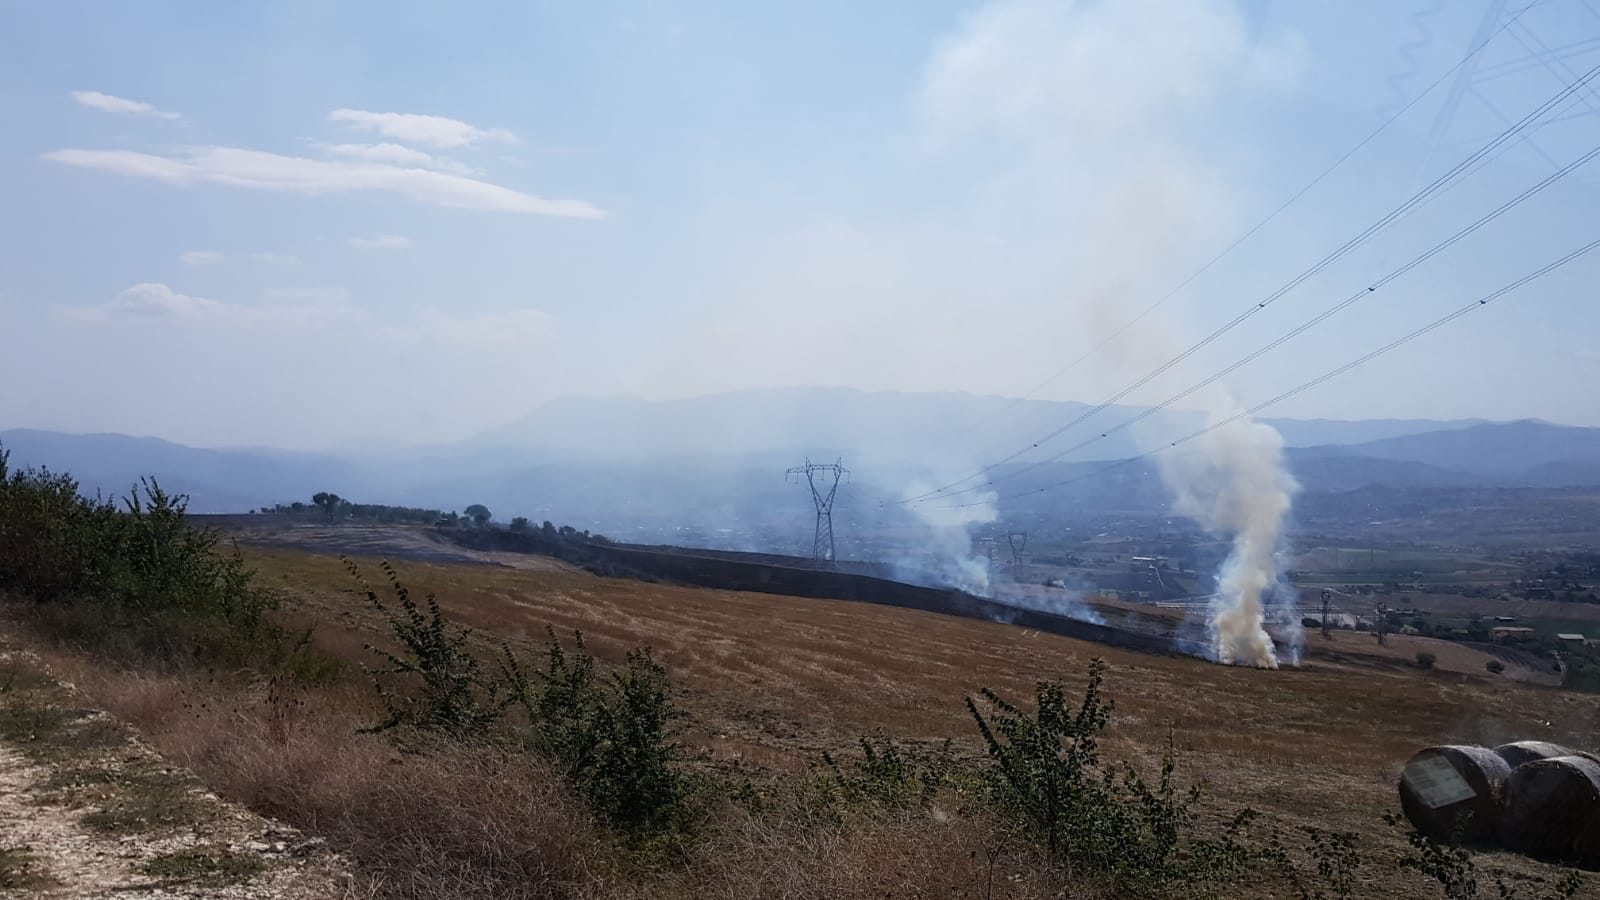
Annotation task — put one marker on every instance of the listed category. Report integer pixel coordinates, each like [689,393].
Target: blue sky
[310,224]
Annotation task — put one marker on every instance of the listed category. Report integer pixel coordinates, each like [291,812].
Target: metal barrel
[1518,752]
[1552,809]
[1453,792]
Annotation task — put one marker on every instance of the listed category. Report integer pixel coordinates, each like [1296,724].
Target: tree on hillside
[479,514]
[327,502]
[521,524]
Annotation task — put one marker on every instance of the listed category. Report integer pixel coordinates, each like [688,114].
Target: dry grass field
[774,681]
[771,683]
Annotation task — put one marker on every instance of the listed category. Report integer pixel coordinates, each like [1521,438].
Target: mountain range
[611,457]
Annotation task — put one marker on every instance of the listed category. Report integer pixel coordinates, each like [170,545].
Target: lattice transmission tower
[1019,543]
[1529,49]
[823,479]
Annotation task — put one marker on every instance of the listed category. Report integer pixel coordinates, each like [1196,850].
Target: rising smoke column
[948,539]
[1232,480]
[1235,484]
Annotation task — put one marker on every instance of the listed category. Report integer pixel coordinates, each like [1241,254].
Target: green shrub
[1495,666]
[611,736]
[445,691]
[1336,859]
[135,580]
[1455,870]
[889,775]
[1046,773]
[1426,660]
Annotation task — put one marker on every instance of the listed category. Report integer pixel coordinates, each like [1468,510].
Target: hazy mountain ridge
[883,424]
[724,455]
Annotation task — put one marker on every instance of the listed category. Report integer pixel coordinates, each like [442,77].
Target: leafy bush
[1048,775]
[449,695]
[1337,861]
[1495,666]
[135,578]
[1426,660]
[1455,870]
[611,736]
[889,775]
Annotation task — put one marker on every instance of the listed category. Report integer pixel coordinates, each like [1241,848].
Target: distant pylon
[1513,63]
[1019,542]
[822,543]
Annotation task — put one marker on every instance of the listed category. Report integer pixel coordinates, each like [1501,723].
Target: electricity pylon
[830,475]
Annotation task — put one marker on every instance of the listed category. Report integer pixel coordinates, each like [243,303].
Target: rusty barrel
[1518,752]
[1552,809]
[1454,791]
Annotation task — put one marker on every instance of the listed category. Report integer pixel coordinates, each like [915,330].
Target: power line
[1304,326]
[1326,376]
[1415,201]
[1251,232]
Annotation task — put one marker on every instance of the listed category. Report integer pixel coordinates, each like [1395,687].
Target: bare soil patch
[87,810]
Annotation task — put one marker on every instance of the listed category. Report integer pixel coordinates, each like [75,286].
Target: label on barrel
[1436,782]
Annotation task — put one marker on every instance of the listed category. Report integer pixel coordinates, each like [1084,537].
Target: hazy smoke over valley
[948,555]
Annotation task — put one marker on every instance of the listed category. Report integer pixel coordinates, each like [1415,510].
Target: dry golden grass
[772,682]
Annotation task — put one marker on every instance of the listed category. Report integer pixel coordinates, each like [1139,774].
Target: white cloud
[431,131]
[260,170]
[155,301]
[394,154]
[120,106]
[519,326]
[202,258]
[276,259]
[382,242]
[1080,72]
[1096,190]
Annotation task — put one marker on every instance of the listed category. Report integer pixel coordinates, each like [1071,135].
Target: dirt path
[88,811]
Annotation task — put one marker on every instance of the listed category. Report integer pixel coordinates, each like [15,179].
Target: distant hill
[1343,469]
[722,457]
[885,425]
[1497,450]
[215,480]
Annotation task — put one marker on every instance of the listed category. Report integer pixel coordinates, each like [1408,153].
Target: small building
[1510,633]
[1572,639]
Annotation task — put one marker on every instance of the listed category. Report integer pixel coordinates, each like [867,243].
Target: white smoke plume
[1057,599]
[948,555]
[1108,161]
[1234,483]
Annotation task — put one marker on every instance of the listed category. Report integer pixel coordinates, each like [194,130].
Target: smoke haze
[1235,484]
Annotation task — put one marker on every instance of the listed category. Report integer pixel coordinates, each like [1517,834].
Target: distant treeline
[332,507]
[367,512]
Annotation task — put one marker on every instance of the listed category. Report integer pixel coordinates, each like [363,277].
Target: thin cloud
[518,326]
[396,155]
[260,170]
[202,258]
[411,128]
[382,242]
[154,301]
[120,106]
[276,259]
[308,296]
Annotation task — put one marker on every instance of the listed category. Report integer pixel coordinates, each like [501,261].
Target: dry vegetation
[770,685]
